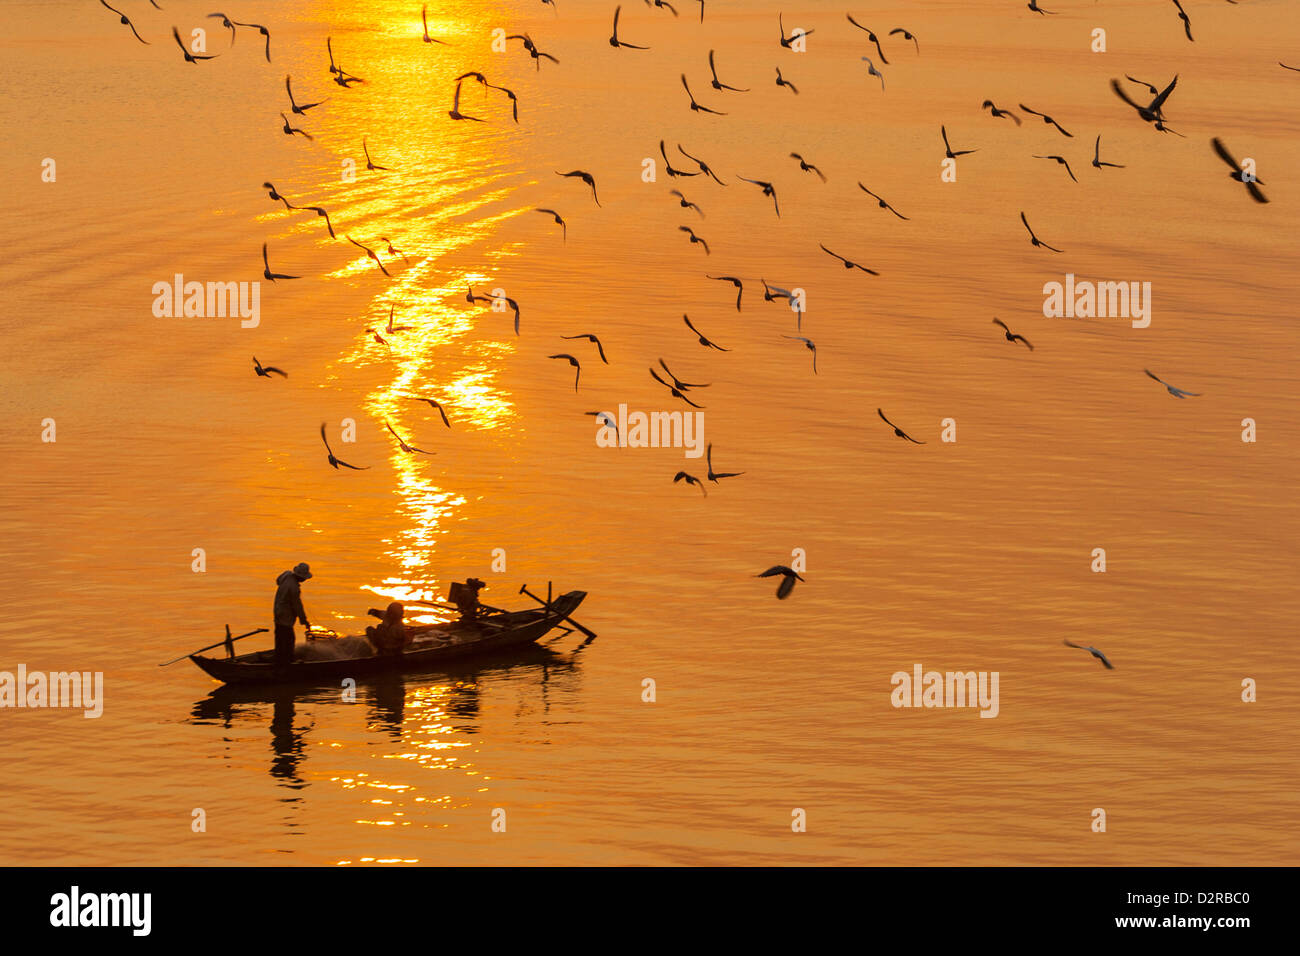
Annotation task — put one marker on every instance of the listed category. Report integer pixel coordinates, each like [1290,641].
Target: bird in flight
[694,238]
[455,112]
[690,480]
[768,190]
[267,273]
[718,84]
[668,166]
[872,71]
[560,222]
[266,371]
[740,286]
[296,108]
[606,419]
[1033,238]
[371,253]
[424,15]
[225,22]
[1096,156]
[1173,390]
[1279,63]
[404,446]
[126,21]
[681,201]
[677,382]
[1048,120]
[585,177]
[1154,111]
[1182,15]
[788,41]
[435,404]
[533,51]
[704,340]
[704,167]
[319,211]
[1033,5]
[808,167]
[870,36]
[898,431]
[906,36]
[1060,161]
[808,344]
[276,197]
[782,81]
[788,577]
[1133,79]
[590,338]
[883,204]
[260,29]
[572,361]
[1237,173]
[1012,336]
[370,163]
[676,391]
[1094,652]
[189,57]
[696,107]
[377,337]
[996,113]
[394,251]
[948,150]
[664,4]
[391,329]
[848,264]
[715,475]
[335,463]
[290,130]
[615,42]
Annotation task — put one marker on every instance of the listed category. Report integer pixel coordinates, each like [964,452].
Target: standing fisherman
[288,608]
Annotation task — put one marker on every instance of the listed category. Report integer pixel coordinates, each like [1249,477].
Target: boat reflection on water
[423,712]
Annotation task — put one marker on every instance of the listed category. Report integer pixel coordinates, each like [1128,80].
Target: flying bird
[590,338]
[882,203]
[320,212]
[377,337]
[615,42]
[948,150]
[696,107]
[276,197]
[808,167]
[704,167]
[1033,5]
[394,251]
[455,112]
[126,21]
[788,577]
[704,340]
[872,71]
[996,113]
[690,480]
[788,41]
[694,238]
[1048,120]
[189,57]
[677,392]
[391,328]
[1096,156]
[1237,172]
[870,36]
[371,253]
[1033,238]
[718,84]
[290,130]
[434,403]
[294,107]
[1012,336]
[848,264]
[560,222]
[677,382]
[740,286]
[768,190]
[668,166]
[572,361]
[267,273]
[715,475]
[898,431]
[1173,390]
[225,22]
[268,370]
[681,201]
[1094,652]
[260,29]
[808,344]
[532,49]
[404,446]
[663,4]
[1060,160]
[336,463]
[586,178]
[906,36]
[782,81]
[1154,111]
[1182,15]
[369,163]
[424,16]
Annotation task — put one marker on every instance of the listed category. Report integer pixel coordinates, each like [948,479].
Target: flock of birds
[1152,112]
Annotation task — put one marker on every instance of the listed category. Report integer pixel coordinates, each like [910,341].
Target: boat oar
[227,640]
[523,589]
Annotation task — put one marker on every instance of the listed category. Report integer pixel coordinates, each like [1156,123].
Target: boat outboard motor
[465,597]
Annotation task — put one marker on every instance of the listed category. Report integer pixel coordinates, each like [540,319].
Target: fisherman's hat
[302,571]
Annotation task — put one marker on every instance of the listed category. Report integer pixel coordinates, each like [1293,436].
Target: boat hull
[513,630]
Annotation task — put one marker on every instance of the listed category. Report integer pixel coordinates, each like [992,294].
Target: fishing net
[336,649]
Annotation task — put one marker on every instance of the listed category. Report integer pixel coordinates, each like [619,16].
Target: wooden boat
[431,646]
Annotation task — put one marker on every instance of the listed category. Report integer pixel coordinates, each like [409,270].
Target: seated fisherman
[467,600]
[390,636]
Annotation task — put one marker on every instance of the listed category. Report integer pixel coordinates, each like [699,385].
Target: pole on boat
[523,589]
[548,597]
[228,642]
